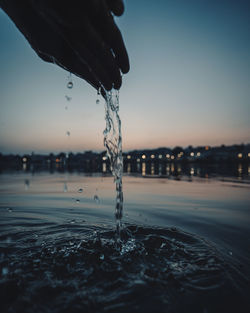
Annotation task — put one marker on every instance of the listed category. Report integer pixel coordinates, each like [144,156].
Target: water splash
[86,267]
[113,144]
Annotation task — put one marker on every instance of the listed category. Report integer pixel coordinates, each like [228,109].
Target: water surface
[185,245]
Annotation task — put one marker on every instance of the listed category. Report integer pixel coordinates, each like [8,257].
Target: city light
[198,154]
[240,155]
[129,157]
[24,160]
[172,157]
[104,158]
[192,154]
[152,156]
[167,156]
[143,156]
[160,156]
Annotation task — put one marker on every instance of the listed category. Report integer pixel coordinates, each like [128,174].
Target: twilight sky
[189,83]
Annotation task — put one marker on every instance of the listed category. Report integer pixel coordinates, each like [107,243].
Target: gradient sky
[189,83]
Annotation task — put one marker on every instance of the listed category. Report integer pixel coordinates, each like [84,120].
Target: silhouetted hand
[78,35]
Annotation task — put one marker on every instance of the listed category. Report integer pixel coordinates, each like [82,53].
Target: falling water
[113,144]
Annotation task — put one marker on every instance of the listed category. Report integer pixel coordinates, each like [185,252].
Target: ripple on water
[150,270]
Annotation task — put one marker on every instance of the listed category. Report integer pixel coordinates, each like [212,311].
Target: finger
[91,47]
[112,35]
[80,70]
[68,60]
[116,6]
[91,52]
[101,50]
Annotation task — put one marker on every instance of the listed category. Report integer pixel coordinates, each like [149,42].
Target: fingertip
[107,85]
[123,62]
[117,84]
[125,68]
[116,6]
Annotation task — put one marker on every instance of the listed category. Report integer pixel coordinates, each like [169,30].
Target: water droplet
[70,85]
[72,221]
[80,190]
[9,210]
[68,133]
[77,201]
[5,271]
[102,257]
[173,229]
[97,101]
[96,199]
[8,240]
[67,97]
[27,184]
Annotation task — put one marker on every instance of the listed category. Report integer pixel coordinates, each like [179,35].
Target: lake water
[185,244]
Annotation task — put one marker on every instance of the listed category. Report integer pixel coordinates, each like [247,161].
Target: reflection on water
[104,167]
[129,168]
[143,171]
[154,167]
[241,171]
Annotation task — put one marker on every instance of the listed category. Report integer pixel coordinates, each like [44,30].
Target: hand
[78,35]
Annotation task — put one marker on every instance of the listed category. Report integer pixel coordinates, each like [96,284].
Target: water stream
[113,144]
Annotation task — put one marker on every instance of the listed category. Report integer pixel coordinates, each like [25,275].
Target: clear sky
[189,83]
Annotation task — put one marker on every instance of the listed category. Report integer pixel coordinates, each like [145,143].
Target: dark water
[185,245]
